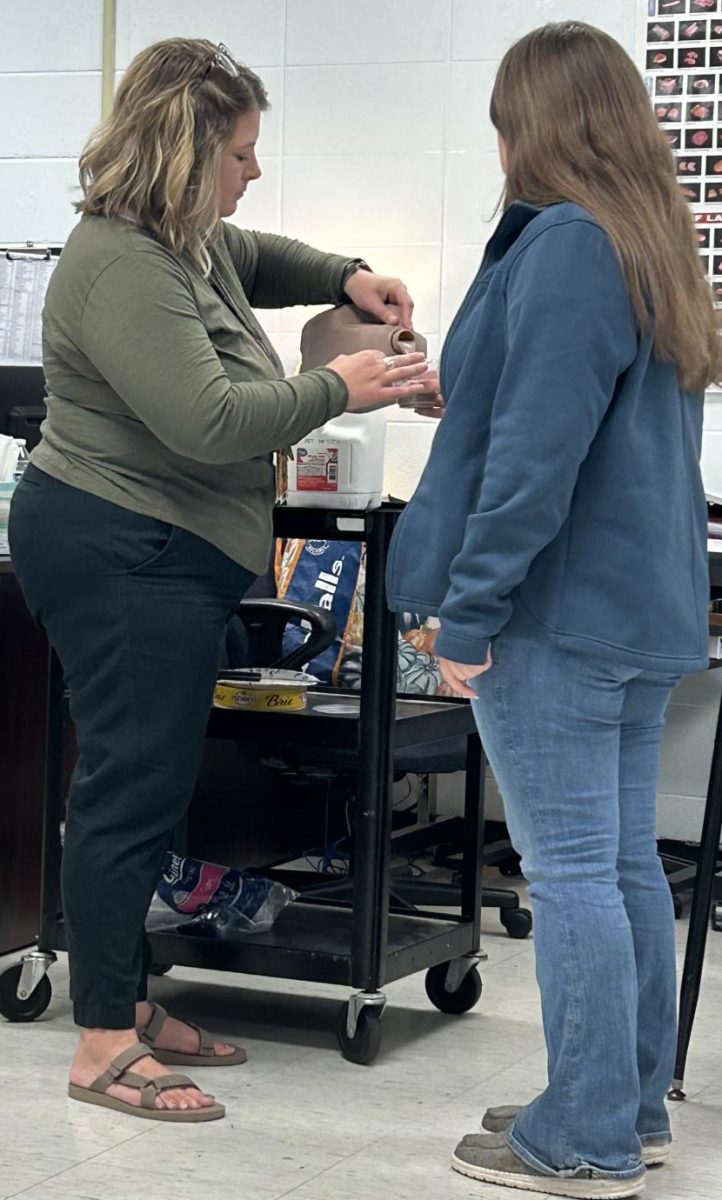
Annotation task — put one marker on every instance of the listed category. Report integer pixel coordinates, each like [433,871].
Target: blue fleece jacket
[564,479]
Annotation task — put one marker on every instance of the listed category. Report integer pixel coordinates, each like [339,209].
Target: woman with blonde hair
[146,510]
[564,528]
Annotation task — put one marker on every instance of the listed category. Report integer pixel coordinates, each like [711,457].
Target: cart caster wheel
[516,921]
[716,918]
[14,1009]
[366,1042]
[678,906]
[159,968]
[466,996]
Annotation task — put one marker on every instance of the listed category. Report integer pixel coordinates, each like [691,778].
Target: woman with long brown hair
[145,512]
[563,525]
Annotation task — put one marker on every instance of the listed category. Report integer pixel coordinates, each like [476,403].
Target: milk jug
[340,465]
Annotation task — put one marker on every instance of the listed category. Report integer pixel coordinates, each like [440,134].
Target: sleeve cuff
[462,650]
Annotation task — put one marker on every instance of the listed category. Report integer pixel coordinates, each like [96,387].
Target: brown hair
[157,156]
[578,126]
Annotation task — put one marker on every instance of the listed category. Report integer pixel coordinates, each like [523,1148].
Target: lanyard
[220,288]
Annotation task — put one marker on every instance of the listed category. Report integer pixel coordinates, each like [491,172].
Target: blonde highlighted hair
[157,156]
[578,126]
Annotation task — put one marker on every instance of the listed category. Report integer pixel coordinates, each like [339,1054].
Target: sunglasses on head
[224,59]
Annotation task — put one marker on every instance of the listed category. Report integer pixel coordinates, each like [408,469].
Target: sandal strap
[152,1088]
[119,1067]
[158,1019]
[149,1089]
[206,1041]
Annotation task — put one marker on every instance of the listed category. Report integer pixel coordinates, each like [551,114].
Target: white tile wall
[419,267]
[468,126]
[407,449]
[50,61]
[373,31]
[472,190]
[36,198]
[253,29]
[47,36]
[51,114]
[334,198]
[484,29]
[364,109]
[271,136]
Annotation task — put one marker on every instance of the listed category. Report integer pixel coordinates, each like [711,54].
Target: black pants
[136,610]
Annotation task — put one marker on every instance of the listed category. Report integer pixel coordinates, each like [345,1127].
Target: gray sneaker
[488,1158]
[498,1120]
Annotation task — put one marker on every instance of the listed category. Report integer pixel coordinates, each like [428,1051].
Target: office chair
[256,639]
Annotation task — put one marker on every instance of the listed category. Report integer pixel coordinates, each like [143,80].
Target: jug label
[317,470]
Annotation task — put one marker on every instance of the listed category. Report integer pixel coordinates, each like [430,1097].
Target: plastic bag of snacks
[222,902]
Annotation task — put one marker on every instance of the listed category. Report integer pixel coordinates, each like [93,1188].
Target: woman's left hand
[456,675]
[430,402]
[373,293]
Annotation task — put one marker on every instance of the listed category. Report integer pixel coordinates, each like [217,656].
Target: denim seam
[568,1100]
[582,1170]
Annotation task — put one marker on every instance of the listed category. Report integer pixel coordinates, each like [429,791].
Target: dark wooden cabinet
[23,675]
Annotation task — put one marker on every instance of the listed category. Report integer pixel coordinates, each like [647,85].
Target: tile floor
[301,1121]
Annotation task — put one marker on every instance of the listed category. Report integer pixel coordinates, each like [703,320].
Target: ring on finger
[389,362]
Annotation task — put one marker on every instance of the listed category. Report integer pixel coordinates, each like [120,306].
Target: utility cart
[359,936]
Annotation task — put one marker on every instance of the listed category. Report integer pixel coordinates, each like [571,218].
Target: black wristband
[356,264]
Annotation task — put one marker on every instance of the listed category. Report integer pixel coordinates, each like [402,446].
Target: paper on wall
[23,284]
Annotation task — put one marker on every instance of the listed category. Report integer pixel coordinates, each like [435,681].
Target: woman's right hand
[372,383]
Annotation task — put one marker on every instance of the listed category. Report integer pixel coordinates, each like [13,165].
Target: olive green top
[164,393]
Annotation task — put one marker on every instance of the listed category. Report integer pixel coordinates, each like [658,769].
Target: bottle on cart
[23,459]
[340,465]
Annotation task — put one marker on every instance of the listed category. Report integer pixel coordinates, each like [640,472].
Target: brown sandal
[149,1090]
[205,1056]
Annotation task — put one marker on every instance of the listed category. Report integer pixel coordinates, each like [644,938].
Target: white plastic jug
[340,465]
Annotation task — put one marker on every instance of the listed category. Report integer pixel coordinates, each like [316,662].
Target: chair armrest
[267,619]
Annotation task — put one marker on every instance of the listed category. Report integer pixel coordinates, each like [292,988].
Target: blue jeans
[574,745]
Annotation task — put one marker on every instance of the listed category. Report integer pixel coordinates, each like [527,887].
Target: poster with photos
[684,80]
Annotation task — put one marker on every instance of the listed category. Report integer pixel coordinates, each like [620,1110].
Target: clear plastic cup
[421,398]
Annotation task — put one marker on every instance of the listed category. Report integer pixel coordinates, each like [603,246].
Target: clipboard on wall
[25,271]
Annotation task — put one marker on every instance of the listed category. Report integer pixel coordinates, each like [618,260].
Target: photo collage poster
[684,80]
